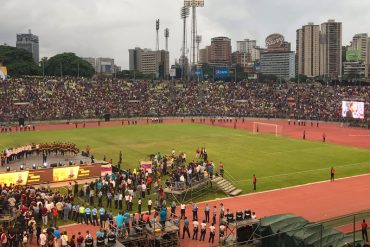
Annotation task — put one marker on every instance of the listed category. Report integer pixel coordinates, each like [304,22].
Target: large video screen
[353,109]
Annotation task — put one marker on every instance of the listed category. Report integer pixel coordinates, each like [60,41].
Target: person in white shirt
[182,210]
[212,233]
[150,205]
[64,238]
[43,238]
[143,190]
[127,198]
[195,229]
[254,216]
[222,230]
[203,230]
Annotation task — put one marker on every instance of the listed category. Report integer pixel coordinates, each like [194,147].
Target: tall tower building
[220,51]
[250,47]
[29,42]
[331,49]
[360,42]
[308,50]
[149,62]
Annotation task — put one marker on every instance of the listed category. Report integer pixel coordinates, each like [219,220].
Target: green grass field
[277,161]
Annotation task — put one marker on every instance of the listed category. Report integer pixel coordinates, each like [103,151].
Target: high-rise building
[220,51]
[104,65]
[203,55]
[29,42]
[241,58]
[361,42]
[245,45]
[278,63]
[331,49]
[355,70]
[308,50]
[249,47]
[149,62]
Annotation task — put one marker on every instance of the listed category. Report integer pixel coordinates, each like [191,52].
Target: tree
[240,74]
[19,62]
[68,64]
[268,78]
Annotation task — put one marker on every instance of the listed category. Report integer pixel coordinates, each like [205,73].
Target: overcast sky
[108,28]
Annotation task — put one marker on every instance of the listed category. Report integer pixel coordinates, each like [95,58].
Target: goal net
[267,128]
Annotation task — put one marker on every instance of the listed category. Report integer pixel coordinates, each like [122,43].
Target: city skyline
[93,28]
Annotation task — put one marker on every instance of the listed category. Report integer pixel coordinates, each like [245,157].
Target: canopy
[290,230]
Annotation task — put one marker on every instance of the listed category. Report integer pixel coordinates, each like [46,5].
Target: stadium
[252,164]
[185,123]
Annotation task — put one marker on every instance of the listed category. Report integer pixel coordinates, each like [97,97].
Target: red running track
[315,202]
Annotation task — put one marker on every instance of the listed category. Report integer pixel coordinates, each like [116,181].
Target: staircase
[227,187]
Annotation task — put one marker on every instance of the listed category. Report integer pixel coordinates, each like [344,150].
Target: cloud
[108,28]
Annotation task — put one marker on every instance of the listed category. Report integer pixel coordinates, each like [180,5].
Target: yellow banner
[4,70]
[18,178]
[65,173]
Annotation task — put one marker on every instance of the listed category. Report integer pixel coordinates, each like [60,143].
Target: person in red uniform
[332,174]
[364,231]
[323,137]
[254,182]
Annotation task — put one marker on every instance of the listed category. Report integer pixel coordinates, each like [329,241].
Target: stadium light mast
[198,40]
[194,4]
[157,29]
[184,14]
[167,35]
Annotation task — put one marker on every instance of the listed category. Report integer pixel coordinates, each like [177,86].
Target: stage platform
[59,169]
[51,159]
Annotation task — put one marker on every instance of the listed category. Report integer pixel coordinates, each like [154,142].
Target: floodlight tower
[166,35]
[194,4]
[157,29]
[198,40]
[184,14]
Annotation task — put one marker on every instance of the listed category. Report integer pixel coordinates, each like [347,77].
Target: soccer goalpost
[268,128]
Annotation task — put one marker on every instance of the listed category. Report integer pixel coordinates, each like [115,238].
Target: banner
[172,72]
[105,170]
[3,73]
[65,173]
[18,178]
[222,72]
[57,174]
[198,72]
[146,165]
[89,171]
[39,176]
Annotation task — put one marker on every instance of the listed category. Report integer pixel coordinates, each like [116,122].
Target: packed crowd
[114,202]
[43,99]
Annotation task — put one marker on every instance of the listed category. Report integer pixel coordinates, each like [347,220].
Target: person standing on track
[364,231]
[323,137]
[332,174]
[185,228]
[254,182]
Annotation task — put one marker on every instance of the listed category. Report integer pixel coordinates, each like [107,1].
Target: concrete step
[229,189]
[222,183]
[217,179]
[235,192]
[226,186]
